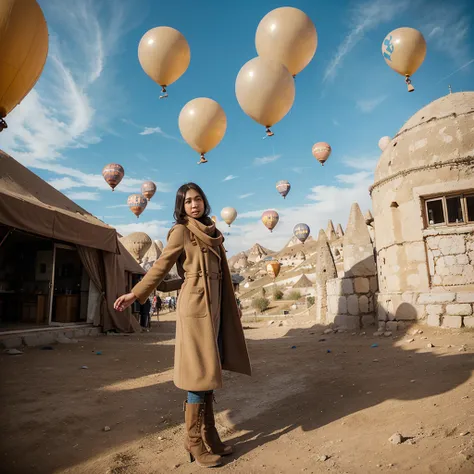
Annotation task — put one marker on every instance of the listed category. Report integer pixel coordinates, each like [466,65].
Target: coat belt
[211,275]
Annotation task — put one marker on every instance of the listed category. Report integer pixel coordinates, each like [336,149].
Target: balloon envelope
[138,244]
[23,51]
[228,215]
[137,203]
[214,219]
[301,232]
[164,54]
[283,187]
[404,50]
[265,90]
[113,173]
[148,189]
[321,151]
[273,268]
[202,123]
[270,219]
[287,35]
[384,142]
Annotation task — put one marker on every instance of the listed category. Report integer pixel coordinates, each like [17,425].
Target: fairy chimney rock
[369,218]
[330,232]
[339,231]
[325,267]
[358,250]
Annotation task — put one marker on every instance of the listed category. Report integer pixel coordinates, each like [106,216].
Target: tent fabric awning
[29,203]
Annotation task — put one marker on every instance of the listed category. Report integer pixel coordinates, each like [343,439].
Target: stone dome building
[423,208]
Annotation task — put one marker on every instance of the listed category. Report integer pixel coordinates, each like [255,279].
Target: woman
[209,334]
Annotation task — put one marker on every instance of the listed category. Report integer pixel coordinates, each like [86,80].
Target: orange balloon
[273,268]
[137,203]
[321,151]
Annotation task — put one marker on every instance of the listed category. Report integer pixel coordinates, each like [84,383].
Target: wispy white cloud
[154,228]
[152,205]
[157,131]
[361,163]
[244,196]
[83,196]
[365,17]
[230,177]
[464,66]
[299,169]
[265,160]
[368,105]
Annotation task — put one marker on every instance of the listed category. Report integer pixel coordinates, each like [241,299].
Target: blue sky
[94,105]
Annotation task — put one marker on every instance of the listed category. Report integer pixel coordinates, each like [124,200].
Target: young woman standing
[209,334]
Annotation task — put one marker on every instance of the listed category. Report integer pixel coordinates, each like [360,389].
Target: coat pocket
[194,306]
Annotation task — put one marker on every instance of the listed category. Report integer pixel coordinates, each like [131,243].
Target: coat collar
[206,233]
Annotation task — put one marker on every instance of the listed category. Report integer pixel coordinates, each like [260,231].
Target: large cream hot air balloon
[202,123]
[265,91]
[321,151]
[137,243]
[228,214]
[384,142]
[164,55]
[23,51]
[287,35]
[404,50]
[270,219]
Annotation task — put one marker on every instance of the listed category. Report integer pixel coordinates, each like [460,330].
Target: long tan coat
[198,366]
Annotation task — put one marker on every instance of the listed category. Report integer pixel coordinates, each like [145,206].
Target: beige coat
[198,366]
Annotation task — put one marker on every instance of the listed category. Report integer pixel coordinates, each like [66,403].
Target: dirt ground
[315,403]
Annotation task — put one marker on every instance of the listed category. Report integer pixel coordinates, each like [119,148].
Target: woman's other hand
[124,301]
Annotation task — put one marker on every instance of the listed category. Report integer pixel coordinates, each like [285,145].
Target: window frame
[443,197]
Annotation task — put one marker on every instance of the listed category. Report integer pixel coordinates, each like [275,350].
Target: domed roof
[440,132]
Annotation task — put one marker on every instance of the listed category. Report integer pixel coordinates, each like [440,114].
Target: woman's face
[193,204]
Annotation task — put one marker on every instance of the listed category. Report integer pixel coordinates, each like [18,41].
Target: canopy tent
[30,204]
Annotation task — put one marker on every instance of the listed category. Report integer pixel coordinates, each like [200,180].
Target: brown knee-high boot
[193,443]
[209,432]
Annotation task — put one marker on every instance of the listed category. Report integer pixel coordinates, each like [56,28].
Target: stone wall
[451,257]
[351,302]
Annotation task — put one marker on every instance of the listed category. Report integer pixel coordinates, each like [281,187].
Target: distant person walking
[209,334]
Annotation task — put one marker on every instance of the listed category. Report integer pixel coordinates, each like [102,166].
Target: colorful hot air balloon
[301,232]
[228,215]
[287,35]
[113,174]
[137,203]
[164,55]
[214,219]
[321,151]
[270,219]
[383,142]
[23,51]
[273,268]
[283,187]
[202,123]
[404,50]
[148,189]
[265,91]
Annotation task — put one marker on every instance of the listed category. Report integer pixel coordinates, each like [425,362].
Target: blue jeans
[197,397]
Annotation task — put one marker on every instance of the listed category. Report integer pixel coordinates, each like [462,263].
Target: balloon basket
[409,84]
[202,160]
[3,124]
[268,133]
[164,93]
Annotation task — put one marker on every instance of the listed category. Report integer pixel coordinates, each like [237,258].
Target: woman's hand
[124,301]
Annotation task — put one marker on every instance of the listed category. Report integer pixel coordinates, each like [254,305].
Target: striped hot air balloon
[113,174]
[321,151]
[283,187]
[270,219]
[148,189]
[137,204]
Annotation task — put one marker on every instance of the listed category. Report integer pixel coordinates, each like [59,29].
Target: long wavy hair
[180,215]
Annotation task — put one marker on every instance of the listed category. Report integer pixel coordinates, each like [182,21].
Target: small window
[435,212]
[470,208]
[454,208]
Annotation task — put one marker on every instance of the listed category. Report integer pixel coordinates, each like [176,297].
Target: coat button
[204,250]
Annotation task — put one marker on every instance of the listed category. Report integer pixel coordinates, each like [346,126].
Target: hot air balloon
[148,189]
[113,174]
[214,219]
[404,50]
[138,244]
[23,51]
[287,35]
[273,268]
[202,123]
[321,151]
[301,232]
[265,91]
[228,215]
[283,187]
[137,204]
[270,219]
[383,142]
[164,55]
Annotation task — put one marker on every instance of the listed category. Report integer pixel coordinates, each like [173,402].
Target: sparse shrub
[264,292]
[294,295]
[261,304]
[310,301]
[277,294]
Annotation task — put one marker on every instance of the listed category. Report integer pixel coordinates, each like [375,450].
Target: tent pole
[6,236]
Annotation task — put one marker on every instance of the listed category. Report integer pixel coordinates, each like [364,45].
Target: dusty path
[302,403]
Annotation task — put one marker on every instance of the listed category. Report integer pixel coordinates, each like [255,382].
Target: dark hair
[179,213]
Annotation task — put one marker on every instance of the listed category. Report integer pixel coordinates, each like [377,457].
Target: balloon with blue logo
[301,232]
